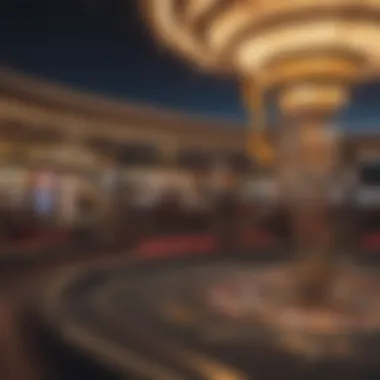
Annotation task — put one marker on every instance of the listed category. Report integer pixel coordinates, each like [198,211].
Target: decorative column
[307,163]
[225,212]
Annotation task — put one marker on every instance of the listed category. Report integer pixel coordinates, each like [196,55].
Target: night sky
[102,46]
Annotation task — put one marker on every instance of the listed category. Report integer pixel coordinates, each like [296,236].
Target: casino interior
[58,159]
[103,199]
[151,184]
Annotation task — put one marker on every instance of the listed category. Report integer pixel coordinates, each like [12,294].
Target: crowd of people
[220,203]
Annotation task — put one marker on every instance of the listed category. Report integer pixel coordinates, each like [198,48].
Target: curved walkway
[19,288]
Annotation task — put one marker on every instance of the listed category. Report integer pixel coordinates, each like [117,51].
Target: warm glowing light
[242,35]
[281,43]
[303,97]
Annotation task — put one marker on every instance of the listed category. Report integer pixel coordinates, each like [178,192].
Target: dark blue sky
[102,46]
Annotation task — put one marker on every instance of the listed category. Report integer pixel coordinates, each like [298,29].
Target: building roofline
[36,89]
[31,89]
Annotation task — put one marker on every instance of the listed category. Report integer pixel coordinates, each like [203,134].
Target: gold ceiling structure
[262,36]
[307,53]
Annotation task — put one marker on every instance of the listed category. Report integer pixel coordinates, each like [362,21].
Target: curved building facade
[35,110]
[39,109]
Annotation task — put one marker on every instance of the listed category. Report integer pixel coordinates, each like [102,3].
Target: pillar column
[307,165]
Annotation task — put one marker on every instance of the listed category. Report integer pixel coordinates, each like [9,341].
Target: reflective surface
[203,318]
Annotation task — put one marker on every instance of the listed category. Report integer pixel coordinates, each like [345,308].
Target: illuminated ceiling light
[279,44]
[239,33]
[320,98]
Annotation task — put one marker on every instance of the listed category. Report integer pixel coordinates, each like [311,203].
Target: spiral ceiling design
[244,36]
[307,53]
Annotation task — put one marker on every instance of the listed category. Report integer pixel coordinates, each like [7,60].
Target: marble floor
[20,357]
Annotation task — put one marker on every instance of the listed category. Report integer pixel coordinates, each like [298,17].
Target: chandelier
[280,41]
[306,53]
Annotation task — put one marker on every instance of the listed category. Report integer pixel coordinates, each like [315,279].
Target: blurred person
[122,217]
[86,218]
[6,218]
[196,203]
[146,199]
[43,197]
[31,224]
[226,208]
[69,188]
[128,217]
[169,210]
[269,212]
